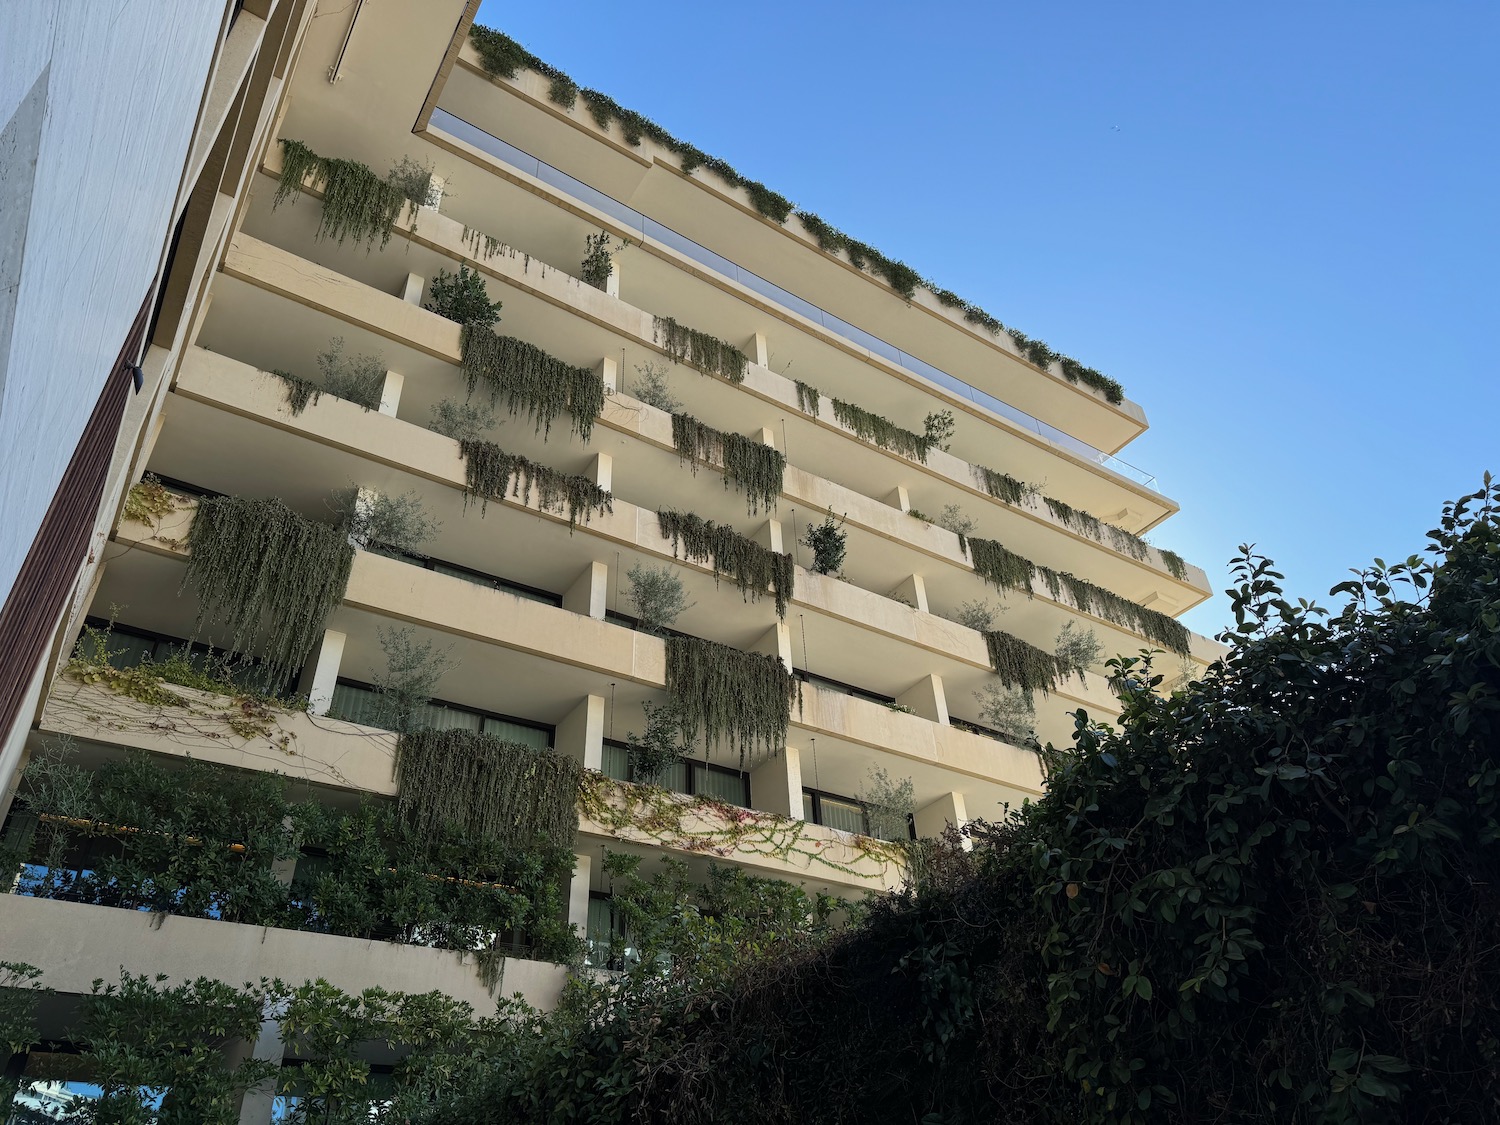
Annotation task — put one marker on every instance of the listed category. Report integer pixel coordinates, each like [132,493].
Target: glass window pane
[845,815]
[616,762]
[126,651]
[357,704]
[674,777]
[435,716]
[717,783]
[518,732]
[807,808]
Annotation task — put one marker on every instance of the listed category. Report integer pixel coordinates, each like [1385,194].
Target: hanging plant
[357,203]
[1154,625]
[881,431]
[739,700]
[697,349]
[531,381]
[1176,567]
[809,398]
[752,467]
[483,787]
[493,474]
[754,568]
[1096,529]
[1000,566]
[1022,666]
[300,392]
[1004,487]
[263,571]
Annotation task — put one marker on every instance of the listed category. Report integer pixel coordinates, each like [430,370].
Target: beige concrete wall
[75,944]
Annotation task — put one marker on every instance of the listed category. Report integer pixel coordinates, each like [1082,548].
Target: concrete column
[604,471]
[756,350]
[612,283]
[899,498]
[322,672]
[578,894]
[776,784]
[586,595]
[609,373]
[412,291]
[581,733]
[390,395]
[257,1102]
[765,435]
[927,698]
[777,641]
[935,816]
[914,590]
[771,536]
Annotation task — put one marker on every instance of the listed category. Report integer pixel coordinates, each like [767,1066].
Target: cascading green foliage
[752,467]
[741,701]
[1000,566]
[1155,626]
[493,474]
[263,571]
[1023,666]
[530,381]
[1003,486]
[809,398]
[503,56]
[754,568]
[1086,524]
[482,787]
[300,393]
[1176,566]
[697,349]
[881,431]
[357,203]
[1006,570]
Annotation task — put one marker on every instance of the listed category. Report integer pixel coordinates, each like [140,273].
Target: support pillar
[756,350]
[914,590]
[604,471]
[258,1102]
[609,374]
[933,818]
[772,536]
[777,641]
[927,698]
[322,673]
[578,895]
[765,435]
[390,395]
[776,784]
[581,733]
[412,291]
[586,595]
[612,283]
[899,498]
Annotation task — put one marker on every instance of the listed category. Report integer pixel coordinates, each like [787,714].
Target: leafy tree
[462,297]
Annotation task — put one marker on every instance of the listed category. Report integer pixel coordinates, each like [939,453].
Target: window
[357,703]
[825,684]
[843,813]
[130,646]
[478,577]
[698,779]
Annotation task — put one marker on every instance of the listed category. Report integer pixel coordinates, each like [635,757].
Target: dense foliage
[491,473]
[753,467]
[754,568]
[708,354]
[1269,896]
[462,297]
[264,573]
[740,701]
[530,381]
[357,203]
[881,431]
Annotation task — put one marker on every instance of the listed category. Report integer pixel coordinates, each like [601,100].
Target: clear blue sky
[1278,225]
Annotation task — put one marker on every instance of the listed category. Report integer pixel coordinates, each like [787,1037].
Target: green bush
[462,297]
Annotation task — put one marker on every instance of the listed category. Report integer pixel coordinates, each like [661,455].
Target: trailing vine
[493,474]
[754,468]
[1176,566]
[697,349]
[754,568]
[531,381]
[740,700]
[263,571]
[1023,666]
[300,393]
[883,432]
[503,56]
[712,827]
[809,398]
[1006,570]
[1004,487]
[1097,529]
[149,501]
[483,787]
[357,203]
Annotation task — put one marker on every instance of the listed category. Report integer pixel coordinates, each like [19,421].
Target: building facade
[338,477]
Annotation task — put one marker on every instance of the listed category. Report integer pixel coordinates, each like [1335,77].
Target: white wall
[121,82]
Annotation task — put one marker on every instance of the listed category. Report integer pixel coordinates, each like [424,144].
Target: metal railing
[645,228]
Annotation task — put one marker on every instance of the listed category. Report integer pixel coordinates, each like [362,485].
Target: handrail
[645,227]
